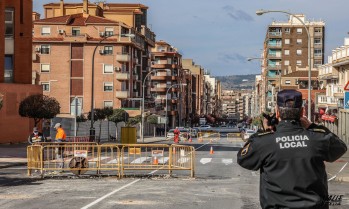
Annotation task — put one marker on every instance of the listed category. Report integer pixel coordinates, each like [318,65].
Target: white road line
[140,160]
[227,161]
[109,194]
[113,192]
[205,160]
[115,161]
[183,160]
[163,160]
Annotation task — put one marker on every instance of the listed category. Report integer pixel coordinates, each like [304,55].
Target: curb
[12,165]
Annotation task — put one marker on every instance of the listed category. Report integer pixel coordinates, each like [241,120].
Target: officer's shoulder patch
[245,149]
[318,130]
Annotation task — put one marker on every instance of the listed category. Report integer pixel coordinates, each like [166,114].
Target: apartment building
[168,88]
[133,15]
[15,70]
[75,53]
[286,51]
[198,80]
[236,104]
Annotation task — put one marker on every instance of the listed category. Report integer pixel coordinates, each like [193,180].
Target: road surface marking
[205,160]
[227,161]
[140,160]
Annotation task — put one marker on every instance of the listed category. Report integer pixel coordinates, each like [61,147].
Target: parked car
[170,134]
[204,127]
[248,133]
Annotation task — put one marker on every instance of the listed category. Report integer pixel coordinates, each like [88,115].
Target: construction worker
[176,133]
[60,135]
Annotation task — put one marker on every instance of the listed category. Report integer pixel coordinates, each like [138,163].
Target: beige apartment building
[286,51]
[121,61]
[198,80]
[64,49]
[170,84]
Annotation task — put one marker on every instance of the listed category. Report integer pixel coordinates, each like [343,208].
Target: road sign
[346,87]
[346,100]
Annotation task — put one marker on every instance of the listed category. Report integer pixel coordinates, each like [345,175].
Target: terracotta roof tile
[60,20]
[76,20]
[94,19]
[47,39]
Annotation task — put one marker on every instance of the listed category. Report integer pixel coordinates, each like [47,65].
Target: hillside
[237,81]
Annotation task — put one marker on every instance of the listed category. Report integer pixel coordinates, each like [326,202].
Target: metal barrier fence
[208,136]
[80,158]
[235,138]
[78,139]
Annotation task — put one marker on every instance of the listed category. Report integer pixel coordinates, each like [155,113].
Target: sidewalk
[337,166]
[16,154]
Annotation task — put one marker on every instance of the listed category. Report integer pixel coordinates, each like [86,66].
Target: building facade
[15,70]
[286,51]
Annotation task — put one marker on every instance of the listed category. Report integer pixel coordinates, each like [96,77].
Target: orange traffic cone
[155,161]
[174,150]
[211,151]
[190,139]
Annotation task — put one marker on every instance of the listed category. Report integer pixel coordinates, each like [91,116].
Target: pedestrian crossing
[161,160]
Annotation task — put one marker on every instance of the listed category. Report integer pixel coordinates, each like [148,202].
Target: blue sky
[219,35]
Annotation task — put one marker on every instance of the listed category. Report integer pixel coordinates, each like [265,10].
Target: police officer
[291,159]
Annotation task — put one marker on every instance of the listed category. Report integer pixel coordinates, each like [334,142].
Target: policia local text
[287,142]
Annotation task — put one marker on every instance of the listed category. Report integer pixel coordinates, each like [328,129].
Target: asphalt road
[219,183]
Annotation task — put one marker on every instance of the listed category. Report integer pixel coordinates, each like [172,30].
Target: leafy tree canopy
[119,115]
[133,121]
[152,119]
[39,106]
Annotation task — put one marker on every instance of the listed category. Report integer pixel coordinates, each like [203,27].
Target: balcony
[329,101]
[275,34]
[76,37]
[338,91]
[122,76]
[274,45]
[122,94]
[149,35]
[123,57]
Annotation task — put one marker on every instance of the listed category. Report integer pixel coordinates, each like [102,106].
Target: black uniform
[291,163]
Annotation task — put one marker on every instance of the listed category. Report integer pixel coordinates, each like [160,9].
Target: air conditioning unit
[102,34]
[101,51]
[60,31]
[38,49]
[117,69]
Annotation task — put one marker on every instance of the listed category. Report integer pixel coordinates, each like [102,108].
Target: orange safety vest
[60,134]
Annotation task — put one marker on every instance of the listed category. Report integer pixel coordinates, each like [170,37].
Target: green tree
[134,121]
[39,107]
[153,119]
[79,119]
[119,115]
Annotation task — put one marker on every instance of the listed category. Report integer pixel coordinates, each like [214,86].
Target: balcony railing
[122,94]
[275,45]
[122,76]
[121,57]
[275,33]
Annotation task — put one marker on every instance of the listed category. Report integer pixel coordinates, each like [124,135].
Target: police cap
[287,95]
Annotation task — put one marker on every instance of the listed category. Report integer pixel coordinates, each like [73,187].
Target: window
[287,30]
[8,73]
[108,49]
[287,62]
[288,82]
[287,41]
[287,52]
[45,86]
[299,62]
[45,49]
[9,23]
[108,103]
[299,52]
[45,30]
[75,31]
[317,52]
[317,30]
[108,68]
[317,63]
[45,68]
[317,41]
[299,41]
[108,86]
[299,30]
[109,31]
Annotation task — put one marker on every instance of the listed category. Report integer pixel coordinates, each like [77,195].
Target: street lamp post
[261,12]
[184,84]
[92,129]
[142,109]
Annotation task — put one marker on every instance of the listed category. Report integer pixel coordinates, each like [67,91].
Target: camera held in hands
[272,120]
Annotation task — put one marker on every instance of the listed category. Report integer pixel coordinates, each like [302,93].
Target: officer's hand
[305,122]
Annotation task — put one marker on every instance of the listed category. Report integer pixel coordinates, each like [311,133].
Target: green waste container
[128,135]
